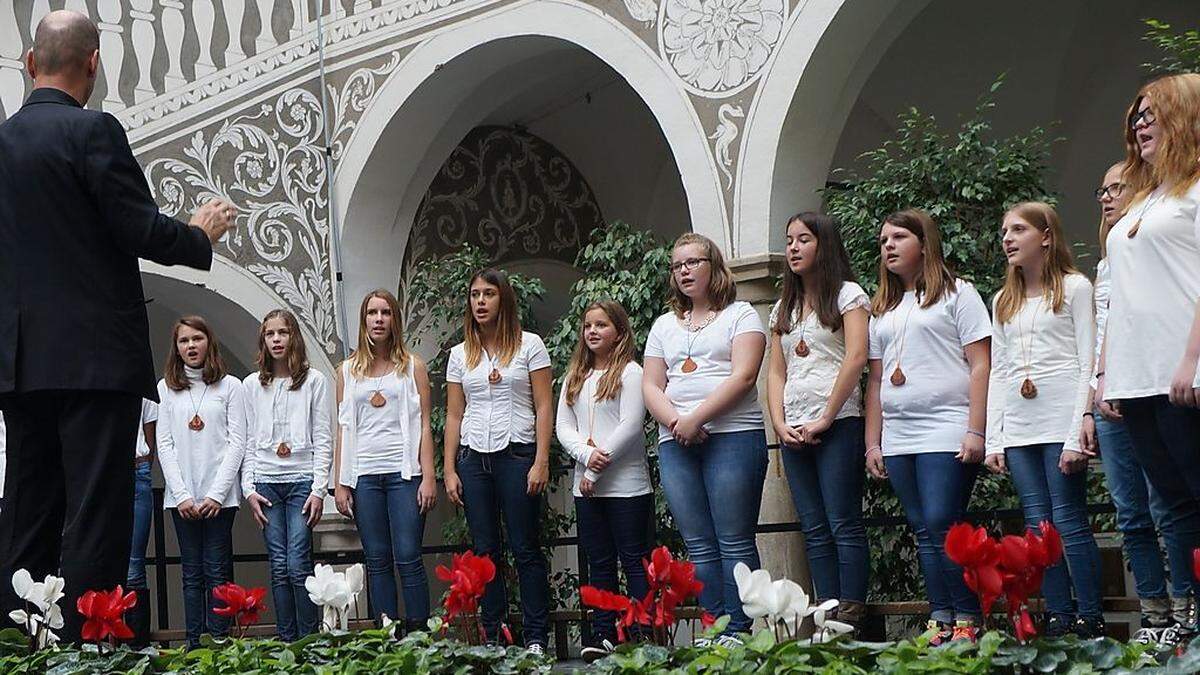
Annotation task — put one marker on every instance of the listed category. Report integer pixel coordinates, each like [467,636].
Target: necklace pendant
[196,424]
[802,349]
[591,443]
[378,400]
[494,376]
[1029,389]
[898,379]
[689,366]
[283,450]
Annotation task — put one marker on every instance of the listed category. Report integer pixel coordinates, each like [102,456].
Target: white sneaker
[730,641]
[703,643]
[593,654]
[1148,636]
[535,649]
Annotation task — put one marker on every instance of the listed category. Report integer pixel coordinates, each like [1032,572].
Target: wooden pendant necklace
[1142,214]
[378,400]
[898,378]
[689,364]
[283,450]
[591,414]
[196,423]
[1028,388]
[494,376]
[802,349]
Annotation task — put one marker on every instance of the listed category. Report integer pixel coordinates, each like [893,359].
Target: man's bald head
[64,43]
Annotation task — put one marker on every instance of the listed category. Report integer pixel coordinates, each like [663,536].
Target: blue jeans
[206,561]
[826,482]
[143,514]
[1048,494]
[494,485]
[934,489]
[1139,510]
[612,528]
[392,528]
[714,490]
[1166,442]
[289,555]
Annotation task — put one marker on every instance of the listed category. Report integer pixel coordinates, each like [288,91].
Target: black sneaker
[1090,627]
[1058,626]
[594,653]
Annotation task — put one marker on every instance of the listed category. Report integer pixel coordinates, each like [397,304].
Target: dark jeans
[1047,494]
[934,488]
[289,555]
[143,516]
[714,490]
[206,561]
[494,486]
[68,492]
[1166,442]
[826,482]
[1139,510]
[391,526]
[612,528]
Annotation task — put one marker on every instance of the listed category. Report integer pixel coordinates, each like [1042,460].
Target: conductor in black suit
[75,215]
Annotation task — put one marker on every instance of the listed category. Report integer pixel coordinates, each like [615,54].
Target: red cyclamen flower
[241,604]
[105,612]
[468,576]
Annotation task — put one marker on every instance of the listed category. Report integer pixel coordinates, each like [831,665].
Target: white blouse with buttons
[501,413]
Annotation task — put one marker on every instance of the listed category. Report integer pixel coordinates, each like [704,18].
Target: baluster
[300,9]
[12,81]
[205,17]
[173,27]
[112,51]
[266,36]
[78,6]
[235,14]
[142,38]
[40,9]
[361,6]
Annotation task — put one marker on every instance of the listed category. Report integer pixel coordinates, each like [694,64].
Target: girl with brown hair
[285,474]
[1042,341]
[499,420]
[201,439]
[927,378]
[383,457]
[600,424]
[702,363]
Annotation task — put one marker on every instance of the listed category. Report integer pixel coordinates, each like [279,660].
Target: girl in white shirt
[201,442]
[927,378]
[499,419]
[702,362]
[601,420]
[818,352]
[285,474]
[383,461]
[1042,339]
[1152,341]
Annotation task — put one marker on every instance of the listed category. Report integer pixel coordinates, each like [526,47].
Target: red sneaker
[964,630]
[942,633]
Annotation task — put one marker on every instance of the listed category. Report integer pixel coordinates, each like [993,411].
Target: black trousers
[68,492]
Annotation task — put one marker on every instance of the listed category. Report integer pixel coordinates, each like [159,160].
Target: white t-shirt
[1155,285]
[501,413]
[615,425]
[929,412]
[149,414]
[1057,348]
[711,349]
[382,444]
[810,379]
[205,463]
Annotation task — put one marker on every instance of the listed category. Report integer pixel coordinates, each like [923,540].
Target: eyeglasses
[1144,117]
[690,265]
[1111,191]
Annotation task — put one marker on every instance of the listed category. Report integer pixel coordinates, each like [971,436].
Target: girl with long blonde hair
[600,424]
[499,420]
[383,457]
[1152,339]
[1042,341]
[926,402]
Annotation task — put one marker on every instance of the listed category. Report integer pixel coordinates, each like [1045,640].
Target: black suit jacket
[75,216]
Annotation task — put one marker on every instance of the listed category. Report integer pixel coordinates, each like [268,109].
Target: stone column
[782,553]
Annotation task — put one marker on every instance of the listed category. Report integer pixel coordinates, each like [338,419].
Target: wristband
[976,433]
[873,448]
[1100,374]
[1089,414]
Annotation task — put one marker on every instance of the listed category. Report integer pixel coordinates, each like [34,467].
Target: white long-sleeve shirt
[615,425]
[1055,351]
[302,418]
[205,463]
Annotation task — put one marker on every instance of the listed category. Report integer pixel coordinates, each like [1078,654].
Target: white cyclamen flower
[44,595]
[828,629]
[755,590]
[789,604]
